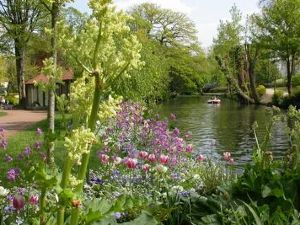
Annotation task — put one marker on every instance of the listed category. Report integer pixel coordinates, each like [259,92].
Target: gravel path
[17,120]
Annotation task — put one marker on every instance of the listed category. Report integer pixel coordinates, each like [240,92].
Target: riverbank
[265,99]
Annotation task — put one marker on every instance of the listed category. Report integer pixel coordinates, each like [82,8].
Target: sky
[206,14]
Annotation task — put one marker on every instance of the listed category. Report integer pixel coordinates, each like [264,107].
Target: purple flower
[3,143]
[39,131]
[118,215]
[96,180]
[37,145]
[12,174]
[27,151]
[21,191]
[8,158]
[20,156]
[184,193]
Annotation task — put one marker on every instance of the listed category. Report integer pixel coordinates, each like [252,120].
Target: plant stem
[64,183]
[86,157]
[42,206]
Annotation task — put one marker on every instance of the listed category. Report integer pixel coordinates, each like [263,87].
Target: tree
[175,35]
[252,51]
[280,32]
[19,18]
[166,26]
[230,56]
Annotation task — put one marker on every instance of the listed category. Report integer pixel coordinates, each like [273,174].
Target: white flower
[3,191]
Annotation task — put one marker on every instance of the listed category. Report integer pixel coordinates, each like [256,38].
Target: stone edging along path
[18,120]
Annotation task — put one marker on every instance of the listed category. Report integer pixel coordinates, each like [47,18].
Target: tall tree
[280,32]
[252,52]
[54,7]
[175,35]
[19,18]
[230,53]
[168,27]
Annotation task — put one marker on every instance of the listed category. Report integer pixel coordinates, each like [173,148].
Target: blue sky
[206,14]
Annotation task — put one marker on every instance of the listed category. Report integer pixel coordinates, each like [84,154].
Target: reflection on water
[225,127]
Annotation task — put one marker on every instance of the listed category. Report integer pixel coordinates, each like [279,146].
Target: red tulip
[18,202]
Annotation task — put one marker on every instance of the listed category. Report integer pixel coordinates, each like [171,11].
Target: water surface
[225,127]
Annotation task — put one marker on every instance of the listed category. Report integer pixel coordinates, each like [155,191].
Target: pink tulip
[226,156]
[103,158]
[34,200]
[189,148]
[143,154]
[146,167]
[131,163]
[164,159]
[201,158]
[231,161]
[151,158]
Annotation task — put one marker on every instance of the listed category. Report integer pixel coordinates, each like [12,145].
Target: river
[225,127]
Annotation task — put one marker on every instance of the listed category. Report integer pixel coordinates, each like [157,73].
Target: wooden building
[37,98]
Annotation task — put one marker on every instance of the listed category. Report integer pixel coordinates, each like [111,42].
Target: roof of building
[41,78]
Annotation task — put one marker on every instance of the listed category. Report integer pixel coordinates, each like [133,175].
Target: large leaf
[144,219]
[97,209]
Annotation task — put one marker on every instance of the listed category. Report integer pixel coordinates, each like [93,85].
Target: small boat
[214,101]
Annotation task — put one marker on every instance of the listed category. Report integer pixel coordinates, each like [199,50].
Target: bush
[294,99]
[280,83]
[296,80]
[13,100]
[277,97]
[261,90]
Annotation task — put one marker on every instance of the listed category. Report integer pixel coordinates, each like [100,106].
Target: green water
[225,127]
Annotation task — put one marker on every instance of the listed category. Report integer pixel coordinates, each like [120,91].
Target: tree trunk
[51,92]
[20,57]
[252,77]
[232,82]
[289,76]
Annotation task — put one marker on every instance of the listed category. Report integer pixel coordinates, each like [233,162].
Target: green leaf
[254,214]
[98,208]
[144,219]
[266,191]
[119,204]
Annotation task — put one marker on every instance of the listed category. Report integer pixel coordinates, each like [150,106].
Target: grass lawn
[2,113]
[18,142]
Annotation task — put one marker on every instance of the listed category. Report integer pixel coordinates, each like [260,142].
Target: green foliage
[277,97]
[266,71]
[280,82]
[176,58]
[12,99]
[150,83]
[261,90]
[296,80]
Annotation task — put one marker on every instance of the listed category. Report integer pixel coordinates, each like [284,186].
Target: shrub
[280,83]
[296,80]
[12,99]
[261,90]
[294,99]
[277,97]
